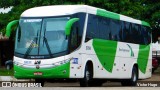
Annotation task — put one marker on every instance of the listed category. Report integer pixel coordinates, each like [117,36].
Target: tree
[147,10]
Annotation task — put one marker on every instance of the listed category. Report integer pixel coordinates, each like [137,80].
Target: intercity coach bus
[81,42]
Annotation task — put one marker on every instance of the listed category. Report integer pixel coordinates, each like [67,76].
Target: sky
[6,10]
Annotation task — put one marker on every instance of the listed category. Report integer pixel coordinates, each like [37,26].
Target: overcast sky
[6,10]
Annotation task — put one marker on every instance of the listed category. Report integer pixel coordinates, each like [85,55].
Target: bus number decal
[88,48]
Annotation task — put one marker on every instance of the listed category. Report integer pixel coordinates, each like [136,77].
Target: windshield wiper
[30,47]
[47,45]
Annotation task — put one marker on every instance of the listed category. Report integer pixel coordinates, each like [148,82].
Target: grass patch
[5,72]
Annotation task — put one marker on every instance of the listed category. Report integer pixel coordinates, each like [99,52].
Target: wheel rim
[87,75]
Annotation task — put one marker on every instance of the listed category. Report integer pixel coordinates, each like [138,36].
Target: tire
[153,71]
[133,80]
[40,81]
[88,75]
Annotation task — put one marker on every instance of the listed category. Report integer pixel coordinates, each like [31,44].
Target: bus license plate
[38,73]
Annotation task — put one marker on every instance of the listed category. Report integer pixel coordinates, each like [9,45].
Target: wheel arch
[136,65]
[91,66]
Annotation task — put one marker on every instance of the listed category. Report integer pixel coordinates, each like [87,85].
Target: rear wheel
[133,80]
[153,70]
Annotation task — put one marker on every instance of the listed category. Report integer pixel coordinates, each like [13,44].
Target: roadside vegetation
[147,10]
[5,72]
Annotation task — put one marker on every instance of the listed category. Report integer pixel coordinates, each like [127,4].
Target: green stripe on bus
[55,72]
[143,57]
[108,14]
[145,23]
[106,52]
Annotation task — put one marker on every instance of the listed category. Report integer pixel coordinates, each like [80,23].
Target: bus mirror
[9,27]
[69,25]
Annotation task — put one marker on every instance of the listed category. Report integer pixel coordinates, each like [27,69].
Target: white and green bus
[81,42]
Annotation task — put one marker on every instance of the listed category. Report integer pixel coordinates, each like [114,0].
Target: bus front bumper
[61,71]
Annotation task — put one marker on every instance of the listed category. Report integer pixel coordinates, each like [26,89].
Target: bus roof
[59,10]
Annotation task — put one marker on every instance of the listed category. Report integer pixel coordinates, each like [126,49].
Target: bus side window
[120,34]
[149,35]
[88,33]
[92,30]
[126,31]
[140,34]
[143,31]
[115,28]
[103,28]
[74,39]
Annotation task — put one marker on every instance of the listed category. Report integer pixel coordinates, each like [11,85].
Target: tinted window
[104,28]
[111,29]
[77,31]
[146,35]
[92,30]
[126,32]
[115,28]
[135,35]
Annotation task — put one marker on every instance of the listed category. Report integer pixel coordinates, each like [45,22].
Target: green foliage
[147,10]
[5,72]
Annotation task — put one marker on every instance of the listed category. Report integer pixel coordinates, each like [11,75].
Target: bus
[81,42]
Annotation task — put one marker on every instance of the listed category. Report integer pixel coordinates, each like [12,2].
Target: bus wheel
[88,75]
[133,80]
[40,81]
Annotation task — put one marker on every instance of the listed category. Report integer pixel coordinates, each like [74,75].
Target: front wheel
[88,75]
[133,80]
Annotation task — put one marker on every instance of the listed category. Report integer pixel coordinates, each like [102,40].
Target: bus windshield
[40,38]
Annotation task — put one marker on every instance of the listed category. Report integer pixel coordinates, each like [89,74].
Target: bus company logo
[123,50]
[132,53]
[37,62]
[37,67]
[126,50]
